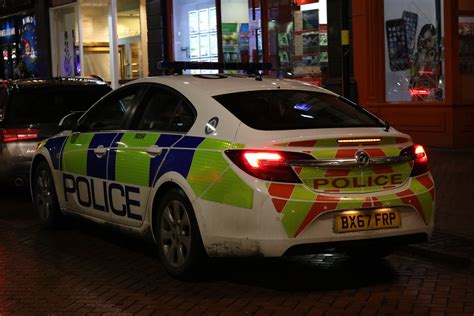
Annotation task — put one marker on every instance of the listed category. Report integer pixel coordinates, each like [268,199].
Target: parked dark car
[30,111]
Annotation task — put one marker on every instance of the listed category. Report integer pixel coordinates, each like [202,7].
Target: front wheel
[177,236]
[45,198]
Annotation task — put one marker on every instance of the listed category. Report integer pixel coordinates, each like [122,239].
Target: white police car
[221,165]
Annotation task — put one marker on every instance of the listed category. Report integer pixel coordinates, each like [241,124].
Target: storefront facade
[105,38]
[24,39]
[293,36]
[415,66]
[408,61]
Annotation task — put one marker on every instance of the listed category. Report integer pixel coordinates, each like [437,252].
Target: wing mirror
[69,122]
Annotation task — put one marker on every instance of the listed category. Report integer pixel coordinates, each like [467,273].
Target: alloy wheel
[44,195]
[175,233]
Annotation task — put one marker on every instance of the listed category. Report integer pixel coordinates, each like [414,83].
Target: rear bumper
[375,243]
[13,172]
[15,162]
[272,230]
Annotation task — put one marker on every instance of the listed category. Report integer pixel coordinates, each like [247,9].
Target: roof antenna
[387,125]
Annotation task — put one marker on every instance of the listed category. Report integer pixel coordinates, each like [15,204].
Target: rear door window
[295,109]
[50,104]
[165,110]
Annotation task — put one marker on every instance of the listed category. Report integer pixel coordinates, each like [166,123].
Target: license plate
[352,221]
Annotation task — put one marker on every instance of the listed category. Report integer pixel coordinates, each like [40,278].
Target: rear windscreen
[295,109]
[50,104]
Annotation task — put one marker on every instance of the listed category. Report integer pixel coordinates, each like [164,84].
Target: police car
[228,165]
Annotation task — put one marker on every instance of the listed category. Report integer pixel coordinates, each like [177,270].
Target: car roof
[212,85]
[54,82]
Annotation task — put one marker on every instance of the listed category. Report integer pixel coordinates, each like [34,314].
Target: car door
[85,171]
[160,120]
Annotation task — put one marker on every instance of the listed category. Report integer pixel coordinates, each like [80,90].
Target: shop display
[411,23]
[204,45]
[309,46]
[213,44]
[413,53]
[235,41]
[202,38]
[212,20]
[310,20]
[29,44]
[466,45]
[397,44]
[8,44]
[193,22]
[194,46]
[204,21]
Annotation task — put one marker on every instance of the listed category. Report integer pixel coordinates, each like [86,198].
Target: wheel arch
[168,182]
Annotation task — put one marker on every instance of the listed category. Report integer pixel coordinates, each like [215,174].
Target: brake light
[418,154]
[268,165]
[258,159]
[16,134]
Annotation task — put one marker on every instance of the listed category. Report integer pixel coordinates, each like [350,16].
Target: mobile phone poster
[414,53]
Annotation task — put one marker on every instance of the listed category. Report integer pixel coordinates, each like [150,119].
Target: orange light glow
[359,140]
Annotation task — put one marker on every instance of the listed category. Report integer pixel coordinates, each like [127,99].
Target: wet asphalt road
[86,269]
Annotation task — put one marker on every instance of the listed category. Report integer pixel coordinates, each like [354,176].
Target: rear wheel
[177,236]
[45,198]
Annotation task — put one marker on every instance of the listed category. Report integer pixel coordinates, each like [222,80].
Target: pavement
[453,239]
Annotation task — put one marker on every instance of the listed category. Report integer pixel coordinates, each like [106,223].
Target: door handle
[100,151]
[154,151]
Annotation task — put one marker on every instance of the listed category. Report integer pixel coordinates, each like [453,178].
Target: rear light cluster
[418,154]
[16,134]
[268,165]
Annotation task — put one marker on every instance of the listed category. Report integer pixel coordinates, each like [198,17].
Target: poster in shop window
[212,20]
[67,54]
[194,46]
[204,20]
[213,44]
[193,22]
[204,45]
[29,44]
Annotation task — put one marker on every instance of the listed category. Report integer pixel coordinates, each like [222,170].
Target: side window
[166,111]
[110,113]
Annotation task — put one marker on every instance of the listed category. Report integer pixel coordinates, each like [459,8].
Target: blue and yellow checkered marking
[127,162]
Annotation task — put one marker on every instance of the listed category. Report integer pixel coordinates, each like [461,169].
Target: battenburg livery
[216,165]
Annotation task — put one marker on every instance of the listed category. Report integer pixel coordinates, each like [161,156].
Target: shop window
[235,30]
[129,39]
[298,40]
[19,46]
[195,30]
[95,36]
[466,56]
[414,65]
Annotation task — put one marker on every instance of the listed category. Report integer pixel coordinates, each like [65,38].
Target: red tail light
[268,165]
[418,154]
[16,134]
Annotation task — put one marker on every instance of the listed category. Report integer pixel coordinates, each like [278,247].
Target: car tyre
[45,198]
[178,238]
